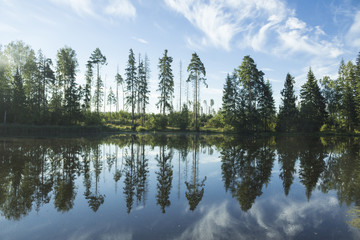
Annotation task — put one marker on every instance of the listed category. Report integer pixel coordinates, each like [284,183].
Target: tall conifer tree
[197,74]
[288,112]
[98,59]
[166,83]
[312,106]
[131,85]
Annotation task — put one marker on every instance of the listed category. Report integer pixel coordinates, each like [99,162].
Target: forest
[35,90]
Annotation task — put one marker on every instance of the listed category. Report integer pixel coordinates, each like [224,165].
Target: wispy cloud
[265,26]
[140,40]
[353,36]
[121,8]
[117,8]
[81,7]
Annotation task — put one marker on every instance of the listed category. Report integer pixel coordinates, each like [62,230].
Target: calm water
[180,187]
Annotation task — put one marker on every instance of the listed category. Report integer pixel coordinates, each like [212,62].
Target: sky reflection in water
[180,187]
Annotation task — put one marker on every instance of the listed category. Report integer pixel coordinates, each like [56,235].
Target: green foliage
[251,81]
[230,100]
[180,119]
[312,106]
[197,75]
[92,118]
[98,59]
[166,84]
[131,85]
[143,91]
[217,121]
[18,99]
[266,107]
[288,113]
[157,122]
[66,69]
[87,91]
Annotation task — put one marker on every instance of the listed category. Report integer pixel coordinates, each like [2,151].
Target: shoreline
[24,130]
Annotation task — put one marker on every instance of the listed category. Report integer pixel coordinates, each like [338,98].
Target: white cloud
[216,220]
[81,7]
[353,36]
[140,40]
[294,23]
[121,8]
[265,26]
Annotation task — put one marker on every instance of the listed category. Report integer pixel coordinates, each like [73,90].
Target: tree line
[34,90]
[324,105]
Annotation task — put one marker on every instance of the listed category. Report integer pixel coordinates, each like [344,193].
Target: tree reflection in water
[246,167]
[195,188]
[38,172]
[164,178]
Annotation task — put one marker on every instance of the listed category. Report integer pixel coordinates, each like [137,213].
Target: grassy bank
[20,130]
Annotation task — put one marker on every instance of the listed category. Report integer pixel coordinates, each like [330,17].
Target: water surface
[180,187]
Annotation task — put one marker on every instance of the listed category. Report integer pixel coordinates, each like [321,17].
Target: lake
[180,187]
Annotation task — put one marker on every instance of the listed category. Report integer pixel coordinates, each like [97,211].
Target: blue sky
[281,36]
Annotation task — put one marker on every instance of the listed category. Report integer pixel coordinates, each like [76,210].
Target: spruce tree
[166,83]
[131,85]
[266,106]
[111,99]
[357,89]
[229,100]
[143,90]
[18,98]
[87,91]
[288,112]
[312,105]
[250,81]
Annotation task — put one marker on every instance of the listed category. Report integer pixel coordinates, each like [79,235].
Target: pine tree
[98,59]
[131,85]
[312,105]
[143,90]
[197,74]
[111,99]
[288,112]
[87,91]
[166,84]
